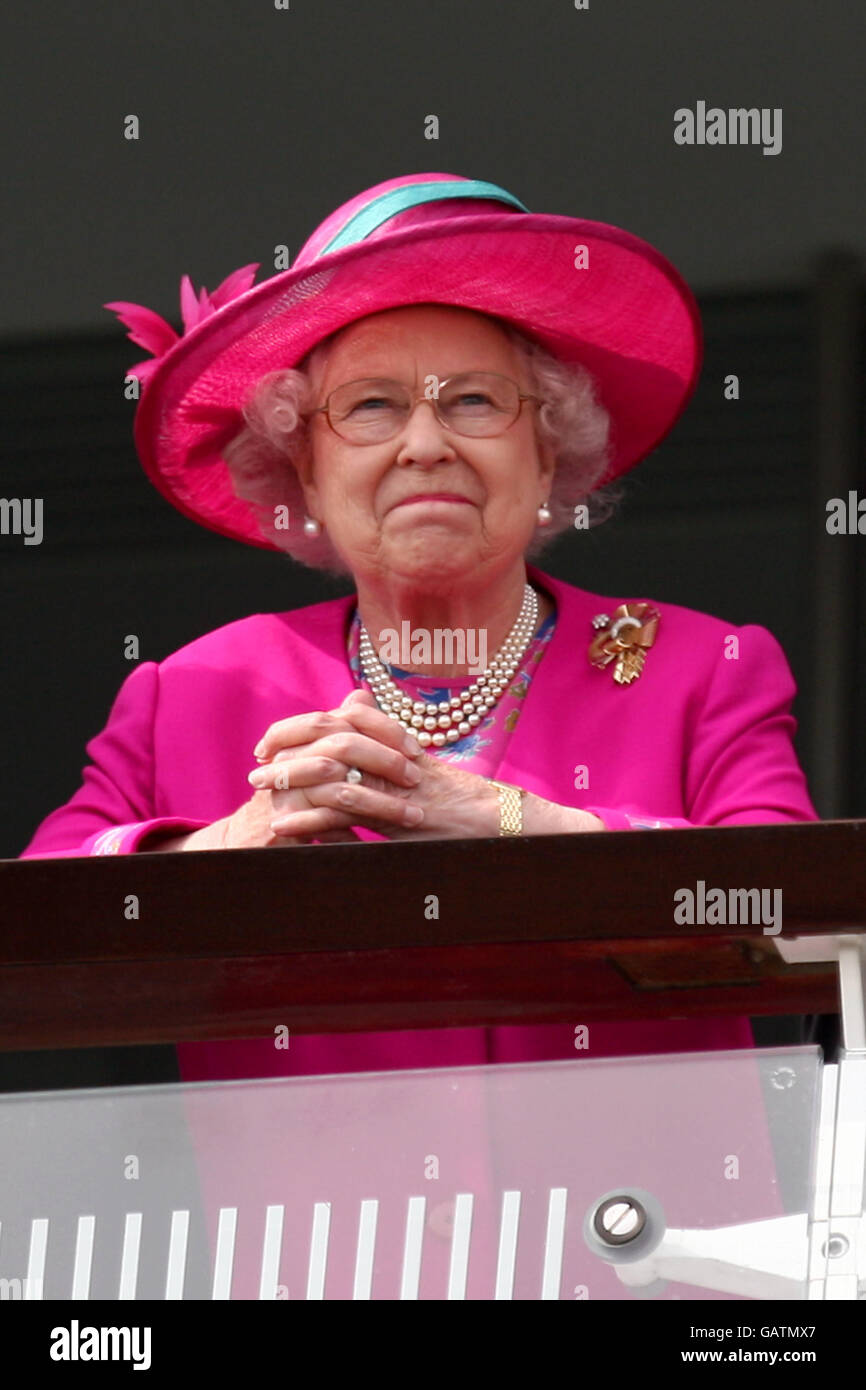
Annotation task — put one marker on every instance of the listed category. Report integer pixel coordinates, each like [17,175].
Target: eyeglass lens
[475,403]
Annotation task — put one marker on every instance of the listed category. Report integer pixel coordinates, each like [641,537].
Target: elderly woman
[441,383]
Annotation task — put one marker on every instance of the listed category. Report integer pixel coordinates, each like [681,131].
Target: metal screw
[834,1247]
[783,1078]
[619,1220]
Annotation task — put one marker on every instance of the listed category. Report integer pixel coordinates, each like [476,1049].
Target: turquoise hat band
[412,195]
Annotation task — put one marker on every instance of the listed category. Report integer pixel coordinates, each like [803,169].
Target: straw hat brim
[628,317]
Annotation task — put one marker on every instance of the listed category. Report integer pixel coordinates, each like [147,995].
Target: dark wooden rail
[337,938]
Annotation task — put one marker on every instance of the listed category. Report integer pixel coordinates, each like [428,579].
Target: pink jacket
[703,737]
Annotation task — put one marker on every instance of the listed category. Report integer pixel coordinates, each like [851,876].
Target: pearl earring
[312,527]
[545,515]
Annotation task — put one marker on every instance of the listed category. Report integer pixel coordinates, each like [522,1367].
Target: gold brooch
[626,637]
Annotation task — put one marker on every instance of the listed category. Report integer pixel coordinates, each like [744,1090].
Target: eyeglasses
[374,410]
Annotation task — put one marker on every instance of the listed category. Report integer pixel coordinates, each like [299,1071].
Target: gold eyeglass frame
[429,400]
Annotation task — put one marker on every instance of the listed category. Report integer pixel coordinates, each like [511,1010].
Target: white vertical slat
[824,1148]
[412,1248]
[318,1250]
[176,1268]
[83,1257]
[129,1258]
[508,1228]
[225,1253]
[554,1242]
[271,1252]
[460,1236]
[36,1257]
[849,1156]
[366,1249]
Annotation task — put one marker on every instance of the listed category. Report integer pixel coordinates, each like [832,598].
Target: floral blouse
[482,750]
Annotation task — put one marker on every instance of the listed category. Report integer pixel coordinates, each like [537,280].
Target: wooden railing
[171,947]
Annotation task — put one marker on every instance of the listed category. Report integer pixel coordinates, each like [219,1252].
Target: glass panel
[466,1182]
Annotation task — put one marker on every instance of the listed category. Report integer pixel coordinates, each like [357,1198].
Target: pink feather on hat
[149,330]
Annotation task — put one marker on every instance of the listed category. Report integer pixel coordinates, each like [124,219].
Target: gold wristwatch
[510,808]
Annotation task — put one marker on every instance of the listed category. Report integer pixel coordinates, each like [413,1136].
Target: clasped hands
[302,794]
[403,793]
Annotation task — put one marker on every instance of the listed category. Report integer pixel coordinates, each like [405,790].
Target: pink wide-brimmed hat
[588,292]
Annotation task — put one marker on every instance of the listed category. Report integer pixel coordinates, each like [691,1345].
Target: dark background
[255,124]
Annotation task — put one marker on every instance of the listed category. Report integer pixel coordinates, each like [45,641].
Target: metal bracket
[848,950]
[820,1254]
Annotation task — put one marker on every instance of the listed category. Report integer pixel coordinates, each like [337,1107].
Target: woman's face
[361,493]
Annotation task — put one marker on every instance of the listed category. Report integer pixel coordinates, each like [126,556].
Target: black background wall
[255,123]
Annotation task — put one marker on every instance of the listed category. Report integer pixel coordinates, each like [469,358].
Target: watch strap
[510,808]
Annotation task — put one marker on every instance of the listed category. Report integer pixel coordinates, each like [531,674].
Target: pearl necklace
[449,720]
